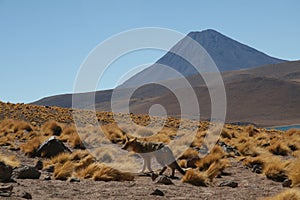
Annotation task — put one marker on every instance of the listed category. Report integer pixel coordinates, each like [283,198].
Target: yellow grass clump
[70,135]
[30,147]
[195,177]
[276,171]
[279,148]
[289,194]
[215,155]
[294,172]
[10,160]
[106,173]
[63,171]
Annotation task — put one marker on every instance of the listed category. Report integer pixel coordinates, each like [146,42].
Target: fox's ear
[135,139]
[127,138]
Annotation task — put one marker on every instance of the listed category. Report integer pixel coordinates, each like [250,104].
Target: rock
[228,148]
[26,172]
[73,179]
[47,178]
[50,169]
[6,191]
[5,172]
[257,169]
[25,195]
[164,180]
[39,165]
[229,184]
[51,148]
[287,183]
[158,192]
[154,176]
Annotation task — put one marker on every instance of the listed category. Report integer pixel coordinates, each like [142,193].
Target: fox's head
[129,144]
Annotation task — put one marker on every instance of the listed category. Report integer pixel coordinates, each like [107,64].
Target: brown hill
[267,95]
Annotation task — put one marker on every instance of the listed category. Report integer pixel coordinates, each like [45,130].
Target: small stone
[165,180]
[287,183]
[25,195]
[33,123]
[158,192]
[50,169]
[73,179]
[6,191]
[231,184]
[47,178]
[39,165]
[257,169]
[154,176]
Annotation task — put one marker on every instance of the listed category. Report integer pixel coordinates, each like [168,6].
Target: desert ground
[246,163]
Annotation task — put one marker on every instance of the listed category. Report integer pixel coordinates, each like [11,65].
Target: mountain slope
[227,54]
[266,95]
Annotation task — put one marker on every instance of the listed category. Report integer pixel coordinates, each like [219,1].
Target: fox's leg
[148,161]
[144,166]
[163,170]
[173,173]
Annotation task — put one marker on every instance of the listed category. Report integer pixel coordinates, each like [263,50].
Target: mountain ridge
[227,54]
[253,95]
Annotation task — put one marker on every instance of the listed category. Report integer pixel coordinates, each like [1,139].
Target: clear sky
[43,43]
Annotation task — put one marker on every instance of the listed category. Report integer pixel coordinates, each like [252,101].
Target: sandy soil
[250,186]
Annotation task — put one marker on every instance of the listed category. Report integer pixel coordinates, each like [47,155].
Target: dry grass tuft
[113,133]
[279,148]
[10,160]
[21,125]
[227,134]
[276,171]
[51,128]
[89,171]
[248,149]
[205,162]
[144,132]
[251,130]
[106,173]
[63,171]
[294,172]
[198,178]
[195,177]
[289,194]
[30,147]
[70,135]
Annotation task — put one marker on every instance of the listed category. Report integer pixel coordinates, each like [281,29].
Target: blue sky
[43,43]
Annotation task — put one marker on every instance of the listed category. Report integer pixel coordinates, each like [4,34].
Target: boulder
[26,172]
[51,148]
[5,172]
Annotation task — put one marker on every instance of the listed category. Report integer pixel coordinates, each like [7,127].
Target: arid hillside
[267,96]
[44,155]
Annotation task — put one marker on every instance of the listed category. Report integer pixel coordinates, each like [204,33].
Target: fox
[147,150]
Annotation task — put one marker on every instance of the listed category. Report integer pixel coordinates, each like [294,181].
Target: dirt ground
[250,186]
